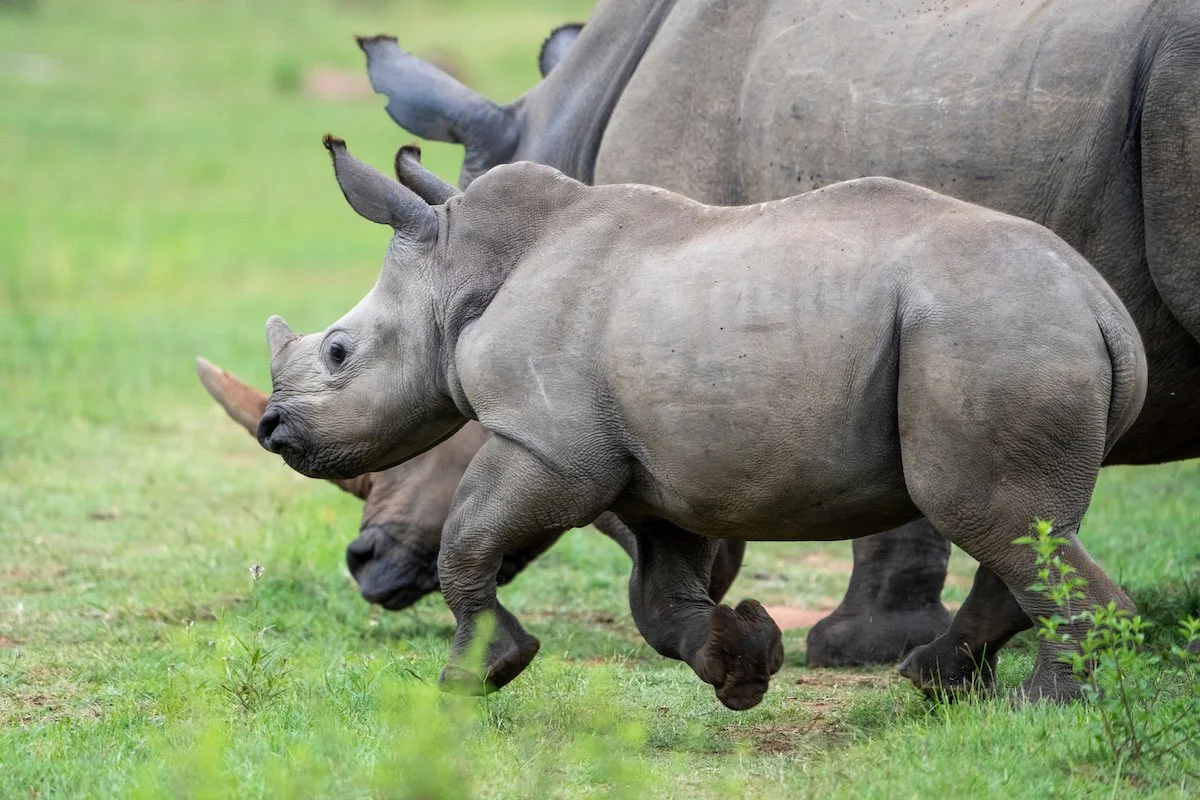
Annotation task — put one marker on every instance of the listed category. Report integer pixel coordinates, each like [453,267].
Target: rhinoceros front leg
[893,604]
[737,650]
[508,499]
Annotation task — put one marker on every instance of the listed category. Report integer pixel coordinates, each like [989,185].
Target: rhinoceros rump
[824,366]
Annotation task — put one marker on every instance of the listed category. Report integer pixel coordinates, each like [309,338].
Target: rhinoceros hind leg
[743,650]
[727,563]
[893,603]
[736,650]
[726,560]
[964,659]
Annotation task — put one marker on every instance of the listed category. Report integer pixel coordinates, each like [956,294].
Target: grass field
[162,191]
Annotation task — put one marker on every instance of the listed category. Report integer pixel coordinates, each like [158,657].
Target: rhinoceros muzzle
[274,434]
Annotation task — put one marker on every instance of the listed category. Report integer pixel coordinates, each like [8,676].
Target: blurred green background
[162,191]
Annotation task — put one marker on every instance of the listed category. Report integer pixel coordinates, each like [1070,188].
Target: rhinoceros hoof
[744,649]
[1055,683]
[506,660]
[944,670]
[850,640]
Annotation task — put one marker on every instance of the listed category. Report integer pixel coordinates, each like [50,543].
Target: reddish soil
[790,618]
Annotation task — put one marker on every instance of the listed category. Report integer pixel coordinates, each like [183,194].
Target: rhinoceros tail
[1128,360]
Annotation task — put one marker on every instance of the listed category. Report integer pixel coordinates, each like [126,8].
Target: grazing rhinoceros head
[372,414]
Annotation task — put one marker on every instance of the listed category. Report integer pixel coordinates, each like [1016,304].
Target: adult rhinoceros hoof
[744,649]
[1054,682]
[851,640]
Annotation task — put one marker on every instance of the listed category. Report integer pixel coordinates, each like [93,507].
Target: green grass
[162,191]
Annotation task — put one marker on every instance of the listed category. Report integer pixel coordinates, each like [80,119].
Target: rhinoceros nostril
[267,427]
[358,554]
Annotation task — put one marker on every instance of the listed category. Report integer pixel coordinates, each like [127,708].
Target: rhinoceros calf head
[341,406]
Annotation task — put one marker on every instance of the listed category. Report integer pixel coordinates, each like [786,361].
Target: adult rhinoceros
[1082,116]
[813,368]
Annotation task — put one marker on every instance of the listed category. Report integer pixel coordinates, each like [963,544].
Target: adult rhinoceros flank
[1082,116]
[407,506]
[819,367]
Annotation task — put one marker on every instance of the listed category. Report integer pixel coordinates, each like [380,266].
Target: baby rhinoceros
[830,365]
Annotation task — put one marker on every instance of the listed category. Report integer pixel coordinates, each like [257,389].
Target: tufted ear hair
[411,173]
[379,198]
[557,45]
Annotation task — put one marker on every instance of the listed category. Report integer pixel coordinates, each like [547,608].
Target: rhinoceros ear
[411,173]
[279,334]
[429,103]
[557,45]
[379,198]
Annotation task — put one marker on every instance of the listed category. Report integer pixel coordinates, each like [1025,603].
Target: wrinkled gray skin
[822,367]
[406,507]
[1079,115]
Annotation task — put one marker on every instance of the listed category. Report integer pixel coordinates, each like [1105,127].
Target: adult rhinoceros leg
[508,498]
[893,603]
[736,650]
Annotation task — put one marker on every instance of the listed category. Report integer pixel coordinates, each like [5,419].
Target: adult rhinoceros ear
[411,173]
[429,103]
[379,198]
[557,45]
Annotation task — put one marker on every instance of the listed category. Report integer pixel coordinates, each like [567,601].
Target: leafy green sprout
[1127,685]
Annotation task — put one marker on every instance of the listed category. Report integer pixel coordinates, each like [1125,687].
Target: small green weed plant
[1147,702]
[255,674]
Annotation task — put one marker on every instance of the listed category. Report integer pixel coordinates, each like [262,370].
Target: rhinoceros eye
[337,354]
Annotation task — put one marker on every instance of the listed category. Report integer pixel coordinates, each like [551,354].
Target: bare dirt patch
[840,679]
[790,618]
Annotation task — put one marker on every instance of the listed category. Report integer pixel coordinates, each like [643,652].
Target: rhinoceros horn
[245,405]
[411,173]
[379,198]
[431,104]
